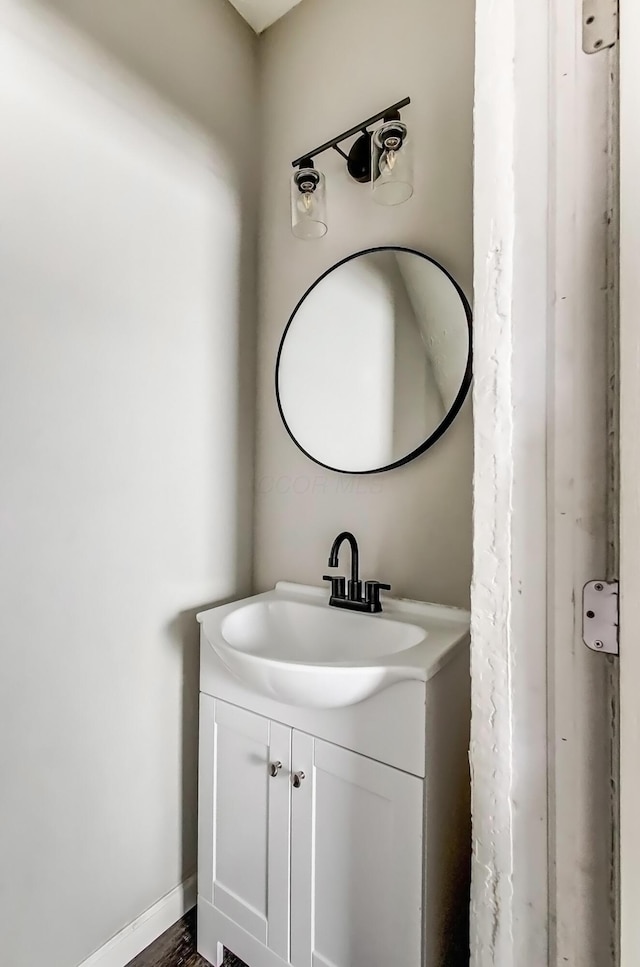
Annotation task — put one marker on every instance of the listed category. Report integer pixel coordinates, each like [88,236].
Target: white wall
[126,288]
[325,66]
[510,914]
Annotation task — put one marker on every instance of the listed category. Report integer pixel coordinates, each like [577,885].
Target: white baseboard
[133,939]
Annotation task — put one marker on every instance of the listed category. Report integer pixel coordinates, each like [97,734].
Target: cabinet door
[356,860]
[244,821]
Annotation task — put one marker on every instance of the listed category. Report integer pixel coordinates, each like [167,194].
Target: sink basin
[296,631]
[290,645]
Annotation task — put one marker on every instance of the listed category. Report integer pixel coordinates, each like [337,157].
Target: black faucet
[351,598]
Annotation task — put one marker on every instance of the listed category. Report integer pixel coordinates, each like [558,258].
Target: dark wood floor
[177,948]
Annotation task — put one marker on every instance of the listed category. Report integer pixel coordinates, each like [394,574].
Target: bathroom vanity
[333,781]
[334,824]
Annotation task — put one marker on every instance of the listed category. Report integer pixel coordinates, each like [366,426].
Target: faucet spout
[353,598]
[355,554]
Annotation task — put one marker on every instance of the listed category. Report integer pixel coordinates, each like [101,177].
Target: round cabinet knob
[297,779]
[274,769]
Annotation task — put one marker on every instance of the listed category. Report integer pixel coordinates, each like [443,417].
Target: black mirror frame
[461,395]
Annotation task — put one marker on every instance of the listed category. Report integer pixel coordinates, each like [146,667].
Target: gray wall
[126,406]
[324,66]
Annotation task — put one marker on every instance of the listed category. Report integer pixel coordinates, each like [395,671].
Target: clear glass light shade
[391,164]
[308,204]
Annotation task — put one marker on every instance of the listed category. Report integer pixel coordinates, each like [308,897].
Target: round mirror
[375,361]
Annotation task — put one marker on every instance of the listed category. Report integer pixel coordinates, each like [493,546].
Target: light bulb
[305,202]
[387,162]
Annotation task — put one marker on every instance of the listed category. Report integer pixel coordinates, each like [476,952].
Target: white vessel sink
[289,644]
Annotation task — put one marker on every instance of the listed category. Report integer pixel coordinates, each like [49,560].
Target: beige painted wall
[327,64]
[126,405]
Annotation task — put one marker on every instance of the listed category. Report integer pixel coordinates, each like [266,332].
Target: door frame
[629,483]
[540,701]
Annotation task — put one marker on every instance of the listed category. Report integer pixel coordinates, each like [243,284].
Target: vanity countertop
[439,631]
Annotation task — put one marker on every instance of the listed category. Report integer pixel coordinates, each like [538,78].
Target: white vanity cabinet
[356,860]
[313,851]
[245,821]
[334,826]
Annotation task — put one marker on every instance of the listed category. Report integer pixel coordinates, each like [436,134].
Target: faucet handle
[372,591]
[338,585]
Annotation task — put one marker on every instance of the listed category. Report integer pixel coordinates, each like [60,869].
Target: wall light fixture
[308,202]
[380,157]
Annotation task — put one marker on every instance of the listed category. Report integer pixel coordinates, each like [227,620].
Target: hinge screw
[598,587]
[598,644]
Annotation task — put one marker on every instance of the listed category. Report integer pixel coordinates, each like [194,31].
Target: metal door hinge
[600,616]
[599,25]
